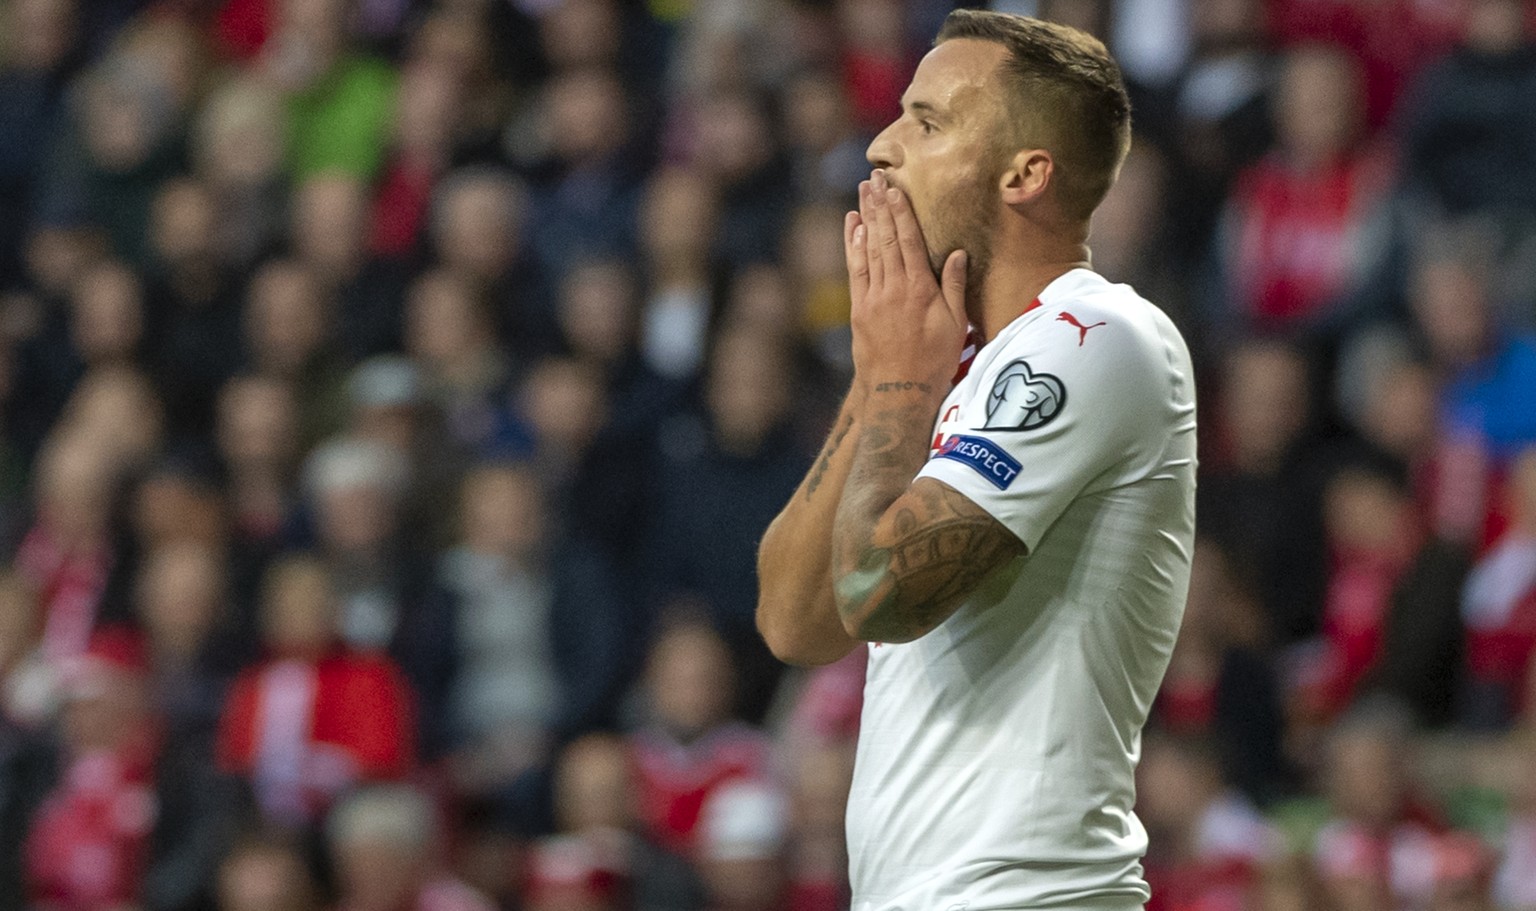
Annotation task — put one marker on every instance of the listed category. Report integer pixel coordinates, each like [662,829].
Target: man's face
[946,150]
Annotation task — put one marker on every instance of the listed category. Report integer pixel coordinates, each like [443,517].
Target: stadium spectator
[450,332]
[1211,843]
[339,100]
[508,693]
[1303,227]
[690,747]
[1213,117]
[678,220]
[478,230]
[195,324]
[817,853]
[825,149]
[1515,880]
[587,186]
[383,576]
[236,150]
[107,316]
[135,817]
[735,147]
[1221,686]
[313,718]
[390,406]
[599,325]
[1466,126]
[266,872]
[34,73]
[289,334]
[181,601]
[1389,615]
[257,435]
[1376,850]
[385,847]
[1392,39]
[118,411]
[723,477]
[601,857]
[328,234]
[812,299]
[428,106]
[1261,499]
[28,699]
[67,554]
[1484,365]
[118,145]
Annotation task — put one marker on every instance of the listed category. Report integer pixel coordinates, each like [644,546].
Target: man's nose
[883,152]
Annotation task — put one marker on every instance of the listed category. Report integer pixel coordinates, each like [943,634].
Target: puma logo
[1082,331]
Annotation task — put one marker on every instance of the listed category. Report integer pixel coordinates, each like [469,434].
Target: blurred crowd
[393,393]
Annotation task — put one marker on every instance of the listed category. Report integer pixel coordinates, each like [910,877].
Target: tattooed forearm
[891,447]
[824,461]
[927,554]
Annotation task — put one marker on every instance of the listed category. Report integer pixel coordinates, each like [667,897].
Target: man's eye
[928,127]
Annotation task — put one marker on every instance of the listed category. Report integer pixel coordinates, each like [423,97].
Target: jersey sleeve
[1049,420]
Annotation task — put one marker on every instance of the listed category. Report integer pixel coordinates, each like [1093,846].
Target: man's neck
[1017,275]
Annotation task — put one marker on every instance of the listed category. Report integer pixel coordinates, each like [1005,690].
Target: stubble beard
[964,220]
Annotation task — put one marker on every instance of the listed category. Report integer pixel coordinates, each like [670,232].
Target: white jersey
[997,753]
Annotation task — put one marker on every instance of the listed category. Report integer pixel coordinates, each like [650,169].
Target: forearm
[795,611]
[896,423]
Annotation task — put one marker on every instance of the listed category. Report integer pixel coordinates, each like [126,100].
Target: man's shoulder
[1084,318]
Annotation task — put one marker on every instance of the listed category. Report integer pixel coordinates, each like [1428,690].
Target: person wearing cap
[388,600]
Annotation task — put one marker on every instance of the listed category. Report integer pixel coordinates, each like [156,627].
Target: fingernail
[879,179]
[893,195]
[858,235]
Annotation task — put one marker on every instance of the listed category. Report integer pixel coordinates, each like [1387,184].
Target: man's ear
[1027,176]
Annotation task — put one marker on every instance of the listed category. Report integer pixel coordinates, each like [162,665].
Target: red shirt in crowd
[1296,235]
[89,842]
[676,778]
[304,731]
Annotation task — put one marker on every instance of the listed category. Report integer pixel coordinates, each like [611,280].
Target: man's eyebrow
[924,107]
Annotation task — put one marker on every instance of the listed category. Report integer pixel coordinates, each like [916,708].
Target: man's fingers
[853,253]
[876,265]
[883,242]
[953,282]
[909,236]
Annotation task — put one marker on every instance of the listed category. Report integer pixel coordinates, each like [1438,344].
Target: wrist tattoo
[905,386]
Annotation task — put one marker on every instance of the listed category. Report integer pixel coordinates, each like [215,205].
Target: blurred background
[393,393]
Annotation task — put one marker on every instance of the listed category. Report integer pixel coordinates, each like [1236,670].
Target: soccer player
[1012,546]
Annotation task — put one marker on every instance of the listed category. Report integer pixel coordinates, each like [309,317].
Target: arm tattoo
[906,386]
[906,553]
[931,554]
[825,460]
